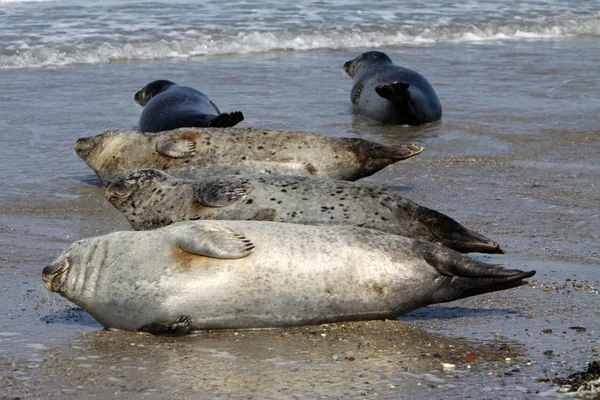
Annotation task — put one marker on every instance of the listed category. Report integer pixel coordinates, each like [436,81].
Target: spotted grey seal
[193,152]
[168,106]
[389,93]
[151,199]
[252,274]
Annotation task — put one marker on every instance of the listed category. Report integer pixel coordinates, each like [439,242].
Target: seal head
[142,97]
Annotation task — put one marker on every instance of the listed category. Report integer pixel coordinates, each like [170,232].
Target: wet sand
[539,200]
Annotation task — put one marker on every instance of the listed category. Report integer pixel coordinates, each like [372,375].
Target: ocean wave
[190,44]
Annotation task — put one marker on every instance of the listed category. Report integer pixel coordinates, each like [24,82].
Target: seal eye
[120,190]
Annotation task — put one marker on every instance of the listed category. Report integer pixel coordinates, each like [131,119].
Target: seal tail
[227,120]
[455,236]
[464,277]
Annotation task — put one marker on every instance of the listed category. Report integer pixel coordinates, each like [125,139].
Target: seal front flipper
[226,120]
[214,241]
[221,193]
[396,92]
[181,326]
[175,148]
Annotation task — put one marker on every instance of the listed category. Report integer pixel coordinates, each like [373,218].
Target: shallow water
[516,158]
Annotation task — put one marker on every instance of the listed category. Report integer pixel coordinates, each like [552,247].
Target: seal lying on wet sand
[151,199]
[389,93]
[168,106]
[198,152]
[249,274]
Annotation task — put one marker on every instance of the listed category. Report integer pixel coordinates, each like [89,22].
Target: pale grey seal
[151,199]
[389,93]
[251,274]
[168,106]
[193,152]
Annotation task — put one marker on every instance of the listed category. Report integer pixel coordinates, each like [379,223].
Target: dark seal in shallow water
[391,94]
[169,106]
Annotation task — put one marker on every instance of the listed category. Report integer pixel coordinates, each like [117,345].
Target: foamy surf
[106,47]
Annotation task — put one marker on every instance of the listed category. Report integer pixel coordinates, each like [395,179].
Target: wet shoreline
[543,218]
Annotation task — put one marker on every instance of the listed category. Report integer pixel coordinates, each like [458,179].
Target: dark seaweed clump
[580,380]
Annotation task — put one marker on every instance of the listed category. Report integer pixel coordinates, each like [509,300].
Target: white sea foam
[67,33]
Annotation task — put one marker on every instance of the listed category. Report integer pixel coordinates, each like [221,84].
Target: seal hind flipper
[395,152]
[227,120]
[181,326]
[176,148]
[221,193]
[464,277]
[455,236]
[214,241]
[396,92]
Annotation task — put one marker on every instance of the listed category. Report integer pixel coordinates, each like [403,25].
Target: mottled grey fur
[252,274]
[151,199]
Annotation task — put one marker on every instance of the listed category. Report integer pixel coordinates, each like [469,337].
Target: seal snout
[52,275]
[84,146]
[348,68]
[139,98]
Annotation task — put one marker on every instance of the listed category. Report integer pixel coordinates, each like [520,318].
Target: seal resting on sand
[250,274]
[389,93]
[168,106]
[151,199]
[197,152]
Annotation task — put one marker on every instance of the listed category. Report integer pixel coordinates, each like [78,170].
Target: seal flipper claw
[214,241]
[221,193]
[396,92]
[176,148]
[215,107]
[356,91]
[181,326]
[227,120]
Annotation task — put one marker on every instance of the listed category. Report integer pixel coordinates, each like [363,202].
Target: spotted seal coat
[168,106]
[389,93]
[193,152]
[253,274]
[151,199]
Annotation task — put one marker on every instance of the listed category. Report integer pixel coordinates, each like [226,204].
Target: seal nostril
[51,270]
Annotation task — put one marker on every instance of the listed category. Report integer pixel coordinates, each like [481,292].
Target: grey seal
[389,93]
[192,152]
[151,199]
[168,106]
[251,274]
